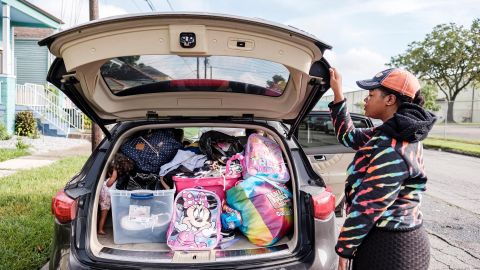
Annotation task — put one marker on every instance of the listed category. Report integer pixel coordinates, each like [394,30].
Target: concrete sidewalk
[42,158]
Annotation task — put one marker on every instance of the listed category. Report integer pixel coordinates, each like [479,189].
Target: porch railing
[55,109]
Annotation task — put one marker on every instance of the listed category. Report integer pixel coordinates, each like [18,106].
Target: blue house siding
[31,62]
[19,13]
[8,101]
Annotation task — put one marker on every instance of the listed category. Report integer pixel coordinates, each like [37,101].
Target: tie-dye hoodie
[386,178]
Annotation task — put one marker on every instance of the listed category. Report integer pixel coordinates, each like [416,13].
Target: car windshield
[139,74]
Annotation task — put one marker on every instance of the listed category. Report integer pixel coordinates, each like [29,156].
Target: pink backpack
[263,157]
[196,220]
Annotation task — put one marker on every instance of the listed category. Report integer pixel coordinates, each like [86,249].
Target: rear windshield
[139,74]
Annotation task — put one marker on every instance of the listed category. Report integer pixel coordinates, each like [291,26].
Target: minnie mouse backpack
[196,220]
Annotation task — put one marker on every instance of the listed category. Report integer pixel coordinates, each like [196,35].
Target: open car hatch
[188,65]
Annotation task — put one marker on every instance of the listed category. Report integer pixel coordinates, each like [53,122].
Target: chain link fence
[466,121]
[463,112]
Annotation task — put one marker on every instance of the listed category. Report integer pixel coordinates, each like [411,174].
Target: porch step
[49,130]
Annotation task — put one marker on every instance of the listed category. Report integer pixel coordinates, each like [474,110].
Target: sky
[364,34]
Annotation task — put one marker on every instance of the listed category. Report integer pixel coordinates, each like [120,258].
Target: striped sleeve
[374,193]
[345,131]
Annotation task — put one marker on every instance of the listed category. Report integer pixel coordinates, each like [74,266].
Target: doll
[120,166]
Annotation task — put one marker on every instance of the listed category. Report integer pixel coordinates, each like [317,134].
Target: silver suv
[191,71]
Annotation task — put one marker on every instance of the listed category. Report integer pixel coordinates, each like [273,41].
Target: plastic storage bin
[141,216]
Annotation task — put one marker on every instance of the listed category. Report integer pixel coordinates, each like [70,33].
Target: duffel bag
[265,207]
[150,150]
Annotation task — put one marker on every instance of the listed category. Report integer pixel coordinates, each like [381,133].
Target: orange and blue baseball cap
[396,79]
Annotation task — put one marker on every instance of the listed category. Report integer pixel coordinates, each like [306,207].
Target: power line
[135,3]
[150,4]
[170,5]
[80,3]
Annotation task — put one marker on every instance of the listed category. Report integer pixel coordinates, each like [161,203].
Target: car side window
[317,130]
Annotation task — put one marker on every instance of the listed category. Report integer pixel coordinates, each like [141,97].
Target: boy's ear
[391,100]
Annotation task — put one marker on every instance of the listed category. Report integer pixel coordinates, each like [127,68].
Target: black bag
[150,150]
[144,181]
[219,146]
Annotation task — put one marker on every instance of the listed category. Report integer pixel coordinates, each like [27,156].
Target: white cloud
[364,34]
[356,64]
[110,10]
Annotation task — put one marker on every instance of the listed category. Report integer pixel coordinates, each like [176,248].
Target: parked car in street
[190,71]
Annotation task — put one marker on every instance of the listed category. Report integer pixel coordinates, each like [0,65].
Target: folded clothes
[188,159]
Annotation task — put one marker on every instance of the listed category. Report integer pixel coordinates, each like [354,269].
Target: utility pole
[96,131]
[198,68]
[205,62]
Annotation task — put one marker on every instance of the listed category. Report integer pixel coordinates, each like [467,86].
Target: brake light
[199,83]
[324,204]
[64,208]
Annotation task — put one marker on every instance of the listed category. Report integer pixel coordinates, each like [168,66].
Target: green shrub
[25,124]
[21,145]
[87,122]
[4,135]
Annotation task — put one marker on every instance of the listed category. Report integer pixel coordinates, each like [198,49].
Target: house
[31,61]
[22,61]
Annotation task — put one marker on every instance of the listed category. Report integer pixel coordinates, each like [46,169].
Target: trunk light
[324,204]
[64,208]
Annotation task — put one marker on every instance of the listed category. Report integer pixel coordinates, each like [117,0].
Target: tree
[430,93]
[131,60]
[448,58]
[277,82]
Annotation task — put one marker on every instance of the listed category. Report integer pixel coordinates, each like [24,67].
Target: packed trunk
[148,196]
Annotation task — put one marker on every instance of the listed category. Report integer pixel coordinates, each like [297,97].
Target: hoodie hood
[410,123]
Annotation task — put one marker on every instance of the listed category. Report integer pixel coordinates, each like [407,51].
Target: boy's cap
[396,79]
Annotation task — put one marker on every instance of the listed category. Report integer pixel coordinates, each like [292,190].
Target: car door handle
[320,157]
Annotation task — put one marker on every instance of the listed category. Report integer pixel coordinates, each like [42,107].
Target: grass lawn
[26,222]
[6,154]
[471,148]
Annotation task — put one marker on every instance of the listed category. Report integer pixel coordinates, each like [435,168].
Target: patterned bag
[150,150]
[196,221]
[263,157]
[265,207]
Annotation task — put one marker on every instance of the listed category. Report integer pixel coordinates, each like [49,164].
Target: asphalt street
[451,208]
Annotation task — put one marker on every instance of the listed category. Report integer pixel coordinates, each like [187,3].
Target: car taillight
[324,204]
[64,208]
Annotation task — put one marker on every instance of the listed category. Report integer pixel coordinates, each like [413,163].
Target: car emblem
[187,40]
